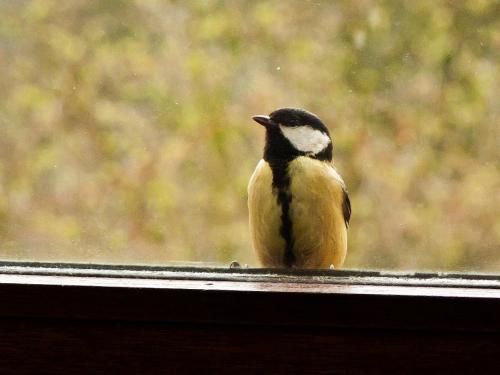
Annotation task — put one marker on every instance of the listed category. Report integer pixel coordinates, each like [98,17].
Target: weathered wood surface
[95,321]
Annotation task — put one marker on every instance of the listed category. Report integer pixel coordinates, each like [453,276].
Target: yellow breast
[318,228]
[265,217]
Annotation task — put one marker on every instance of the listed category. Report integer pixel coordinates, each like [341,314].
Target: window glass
[126,132]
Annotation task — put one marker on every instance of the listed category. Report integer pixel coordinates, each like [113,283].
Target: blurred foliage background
[126,132]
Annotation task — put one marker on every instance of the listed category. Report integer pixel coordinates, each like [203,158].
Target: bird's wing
[346,202]
[346,208]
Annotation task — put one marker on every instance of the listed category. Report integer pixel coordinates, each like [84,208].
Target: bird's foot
[234,264]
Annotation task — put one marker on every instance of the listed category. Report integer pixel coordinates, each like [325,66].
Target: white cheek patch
[306,139]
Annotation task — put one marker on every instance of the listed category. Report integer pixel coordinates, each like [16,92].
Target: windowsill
[352,299]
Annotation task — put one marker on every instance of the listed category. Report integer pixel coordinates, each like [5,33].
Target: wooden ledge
[343,299]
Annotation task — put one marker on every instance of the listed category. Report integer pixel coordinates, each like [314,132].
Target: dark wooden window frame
[41,302]
[181,294]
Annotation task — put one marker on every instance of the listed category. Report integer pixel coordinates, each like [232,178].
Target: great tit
[298,205]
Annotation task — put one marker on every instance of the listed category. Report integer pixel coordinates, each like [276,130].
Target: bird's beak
[263,120]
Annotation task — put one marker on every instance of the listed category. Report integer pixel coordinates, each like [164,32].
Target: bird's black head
[293,132]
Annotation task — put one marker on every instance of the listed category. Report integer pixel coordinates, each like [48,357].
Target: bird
[298,204]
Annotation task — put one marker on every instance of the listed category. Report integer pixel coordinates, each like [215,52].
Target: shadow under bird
[298,204]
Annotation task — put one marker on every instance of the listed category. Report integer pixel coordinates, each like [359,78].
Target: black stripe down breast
[281,187]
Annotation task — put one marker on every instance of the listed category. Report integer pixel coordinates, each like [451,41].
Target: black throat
[279,152]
